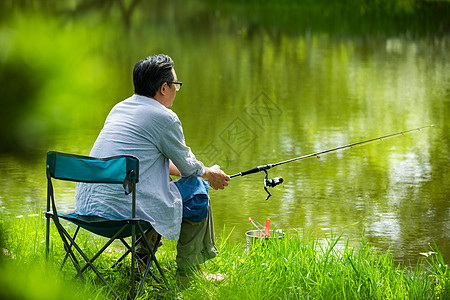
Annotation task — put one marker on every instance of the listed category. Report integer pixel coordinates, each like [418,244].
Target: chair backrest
[66,166]
[123,169]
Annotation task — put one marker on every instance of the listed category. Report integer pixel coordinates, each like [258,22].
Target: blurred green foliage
[22,283]
[24,272]
[20,87]
[50,74]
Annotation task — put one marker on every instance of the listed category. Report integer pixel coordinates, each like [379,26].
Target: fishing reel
[271,182]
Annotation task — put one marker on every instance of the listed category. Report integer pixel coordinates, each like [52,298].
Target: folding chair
[112,170]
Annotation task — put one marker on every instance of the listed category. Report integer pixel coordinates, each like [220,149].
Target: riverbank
[297,267]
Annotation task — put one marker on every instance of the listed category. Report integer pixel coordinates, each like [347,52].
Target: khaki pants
[196,243]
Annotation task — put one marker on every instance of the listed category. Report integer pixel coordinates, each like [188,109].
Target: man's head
[151,73]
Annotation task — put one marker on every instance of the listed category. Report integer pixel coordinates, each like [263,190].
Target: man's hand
[216,177]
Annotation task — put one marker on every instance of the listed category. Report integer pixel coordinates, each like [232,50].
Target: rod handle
[253,170]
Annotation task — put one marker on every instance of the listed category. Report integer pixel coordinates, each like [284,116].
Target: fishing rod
[272,182]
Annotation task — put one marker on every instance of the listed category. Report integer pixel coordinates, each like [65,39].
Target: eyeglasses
[178,85]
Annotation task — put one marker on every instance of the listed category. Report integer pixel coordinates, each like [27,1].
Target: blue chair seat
[104,227]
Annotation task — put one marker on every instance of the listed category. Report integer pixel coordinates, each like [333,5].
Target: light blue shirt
[142,127]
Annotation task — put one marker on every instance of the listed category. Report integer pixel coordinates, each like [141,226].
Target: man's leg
[152,237]
[196,243]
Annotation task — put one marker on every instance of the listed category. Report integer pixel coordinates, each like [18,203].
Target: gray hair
[150,73]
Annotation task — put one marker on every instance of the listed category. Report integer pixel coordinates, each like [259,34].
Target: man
[143,126]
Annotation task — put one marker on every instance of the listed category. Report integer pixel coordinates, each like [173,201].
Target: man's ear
[163,88]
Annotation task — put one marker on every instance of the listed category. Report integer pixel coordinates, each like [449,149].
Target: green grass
[299,266]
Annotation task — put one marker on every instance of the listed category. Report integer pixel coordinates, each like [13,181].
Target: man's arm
[183,161]
[173,170]
[216,177]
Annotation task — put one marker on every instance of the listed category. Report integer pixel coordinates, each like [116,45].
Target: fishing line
[278,180]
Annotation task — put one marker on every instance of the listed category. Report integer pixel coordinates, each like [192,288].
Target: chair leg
[132,249]
[47,236]
[110,241]
[70,246]
[133,259]
[147,270]
[139,240]
[149,263]
[89,262]
[152,254]
[138,259]
[125,254]
[64,236]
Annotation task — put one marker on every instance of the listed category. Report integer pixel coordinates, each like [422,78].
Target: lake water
[256,97]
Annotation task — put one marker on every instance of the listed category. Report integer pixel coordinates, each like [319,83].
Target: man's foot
[214,277]
[184,281]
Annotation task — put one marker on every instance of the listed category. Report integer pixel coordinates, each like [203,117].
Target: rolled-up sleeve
[173,146]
